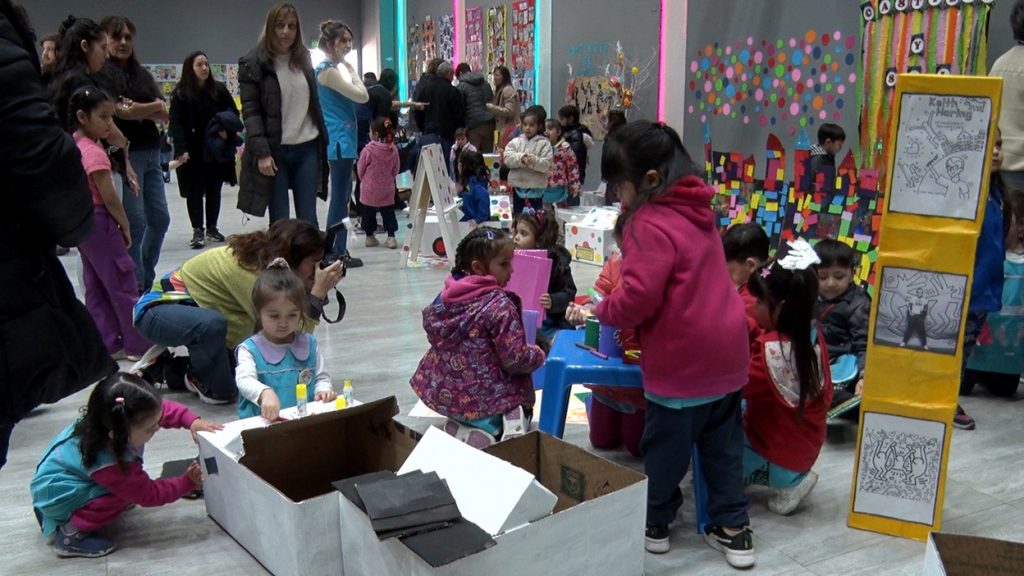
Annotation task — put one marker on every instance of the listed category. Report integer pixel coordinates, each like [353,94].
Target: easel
[432,183]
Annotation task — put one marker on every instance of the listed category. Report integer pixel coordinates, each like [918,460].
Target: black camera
[330,255]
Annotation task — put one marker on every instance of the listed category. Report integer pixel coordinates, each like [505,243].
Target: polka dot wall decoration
[785,83]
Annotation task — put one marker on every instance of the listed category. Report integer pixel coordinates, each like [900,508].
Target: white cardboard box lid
[229,440]
[490,492]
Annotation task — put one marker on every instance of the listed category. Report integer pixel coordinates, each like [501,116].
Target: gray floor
[378,346]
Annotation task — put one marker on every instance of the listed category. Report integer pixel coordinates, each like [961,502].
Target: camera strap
[341,308]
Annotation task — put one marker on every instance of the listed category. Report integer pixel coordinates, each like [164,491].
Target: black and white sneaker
[656,538]
[738,548]
[195,387]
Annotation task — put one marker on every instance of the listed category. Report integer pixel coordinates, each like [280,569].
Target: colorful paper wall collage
[416,62]
[475,38]
[167,76]
[786,83]
[594,96]
[496,36]
[840,203]
[523,14]
[913,36]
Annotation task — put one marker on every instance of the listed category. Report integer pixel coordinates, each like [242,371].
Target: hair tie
[119,400]
[491,234]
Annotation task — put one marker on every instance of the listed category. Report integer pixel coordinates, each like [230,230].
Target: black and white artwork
[920,309]
[939,167]
[899,466]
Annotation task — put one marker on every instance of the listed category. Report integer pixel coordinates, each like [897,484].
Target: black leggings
[204,183]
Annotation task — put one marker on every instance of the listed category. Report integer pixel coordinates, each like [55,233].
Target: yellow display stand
[936,189]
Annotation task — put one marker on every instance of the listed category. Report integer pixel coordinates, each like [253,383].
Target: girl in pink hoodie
[692,330]
[377,168]
[477,371]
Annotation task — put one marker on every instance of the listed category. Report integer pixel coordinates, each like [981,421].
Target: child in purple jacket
[477,371]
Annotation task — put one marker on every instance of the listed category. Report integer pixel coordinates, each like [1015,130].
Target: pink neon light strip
[458,15]
[662,59]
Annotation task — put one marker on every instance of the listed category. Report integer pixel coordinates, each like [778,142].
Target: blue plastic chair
[568,364]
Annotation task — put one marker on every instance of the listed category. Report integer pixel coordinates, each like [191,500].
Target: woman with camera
[206,304]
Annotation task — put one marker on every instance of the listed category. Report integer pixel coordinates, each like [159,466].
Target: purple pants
[111,289]
[98,513]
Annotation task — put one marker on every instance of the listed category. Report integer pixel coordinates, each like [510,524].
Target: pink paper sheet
[531,274]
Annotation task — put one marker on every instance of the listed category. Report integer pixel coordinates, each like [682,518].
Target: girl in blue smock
[280,355]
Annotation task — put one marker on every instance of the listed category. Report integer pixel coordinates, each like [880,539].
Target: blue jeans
[204,332]
[298,170]
[148,216]
[341,193]
[669,436]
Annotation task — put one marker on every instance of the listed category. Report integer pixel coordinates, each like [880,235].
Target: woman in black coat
[196,100]
[49,345]
[285,138]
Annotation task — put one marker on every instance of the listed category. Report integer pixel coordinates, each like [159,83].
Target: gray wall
[168,31]
[1000,35]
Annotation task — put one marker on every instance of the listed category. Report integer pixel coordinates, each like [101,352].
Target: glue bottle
[300,399]
[346,392]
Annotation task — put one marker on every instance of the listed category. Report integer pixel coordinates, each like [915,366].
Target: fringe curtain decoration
[913,37]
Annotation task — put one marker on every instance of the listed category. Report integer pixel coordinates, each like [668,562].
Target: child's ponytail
[85,100]
[118,402]
[382,126]
[790,286]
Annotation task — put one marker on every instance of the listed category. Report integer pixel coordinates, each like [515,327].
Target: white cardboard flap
[229,440]
[490,492]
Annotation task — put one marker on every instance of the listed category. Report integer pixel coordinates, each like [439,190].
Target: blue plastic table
[567,364]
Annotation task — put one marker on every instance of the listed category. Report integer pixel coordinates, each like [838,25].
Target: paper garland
[913,36]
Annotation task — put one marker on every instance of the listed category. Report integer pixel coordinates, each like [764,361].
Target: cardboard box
[501,210]
[269,487]
[597,526]
[960,555]
[592,240]
[431,243]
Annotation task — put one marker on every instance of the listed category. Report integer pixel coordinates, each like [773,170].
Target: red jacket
[676,292]
[770,421]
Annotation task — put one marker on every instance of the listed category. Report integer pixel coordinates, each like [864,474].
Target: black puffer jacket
[477,94]
[49,345]
[844,322]
[261,112]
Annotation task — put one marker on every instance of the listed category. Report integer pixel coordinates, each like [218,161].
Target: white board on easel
[432,183]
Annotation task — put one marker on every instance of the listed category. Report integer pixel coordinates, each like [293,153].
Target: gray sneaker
[70,543]
[786,500]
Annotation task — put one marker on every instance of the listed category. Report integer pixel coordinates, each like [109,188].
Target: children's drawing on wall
[933,37]
[594,96]
[415,54]
[939,166]
[783,83]
[475,39]
[523,81]
[446,37]
[898,472]
[496,37]
[920,310]
[429,42]
[522,34]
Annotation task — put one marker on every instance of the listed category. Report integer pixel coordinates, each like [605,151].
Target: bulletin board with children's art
[416,63]
[166,77]
[913,37]
[475,38]
[497,35]
[446,37]
[622,80]
[428,42]
[522,50]
[760,68]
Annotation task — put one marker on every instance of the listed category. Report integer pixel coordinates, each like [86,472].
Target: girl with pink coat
[377,168]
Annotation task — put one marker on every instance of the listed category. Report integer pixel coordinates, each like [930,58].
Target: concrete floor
[378,347]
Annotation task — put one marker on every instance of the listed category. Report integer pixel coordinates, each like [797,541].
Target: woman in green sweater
[206,304]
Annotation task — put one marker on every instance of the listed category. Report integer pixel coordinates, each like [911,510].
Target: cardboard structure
[596,527]
[432,184]
[592,239]
[269,487]
[943,128]
[960,555]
